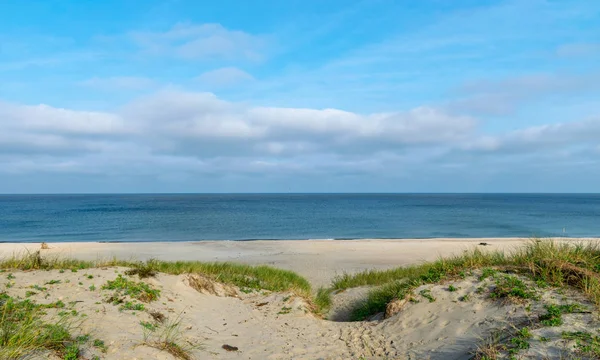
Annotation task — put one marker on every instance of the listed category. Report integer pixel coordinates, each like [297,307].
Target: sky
[186,96]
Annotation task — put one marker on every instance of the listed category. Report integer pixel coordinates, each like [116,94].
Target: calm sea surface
[29,218]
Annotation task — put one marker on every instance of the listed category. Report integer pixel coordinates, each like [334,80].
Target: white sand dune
[264,325]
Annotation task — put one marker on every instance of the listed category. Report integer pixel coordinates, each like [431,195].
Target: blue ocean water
[35,218]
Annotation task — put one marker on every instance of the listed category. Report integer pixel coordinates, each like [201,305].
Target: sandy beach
[317,260]
[437,320]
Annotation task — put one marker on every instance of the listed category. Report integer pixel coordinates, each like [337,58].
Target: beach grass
[260,277]
[558,264]
[25,328]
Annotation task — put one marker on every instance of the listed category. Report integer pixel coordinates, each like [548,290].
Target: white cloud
[186,133]
[46,119]
[502,97]
[191,41]
[119,83]
[553,138]
[226,76]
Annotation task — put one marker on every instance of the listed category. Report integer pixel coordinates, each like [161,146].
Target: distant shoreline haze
[192,217]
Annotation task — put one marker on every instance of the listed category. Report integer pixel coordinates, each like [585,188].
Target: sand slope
[265,325]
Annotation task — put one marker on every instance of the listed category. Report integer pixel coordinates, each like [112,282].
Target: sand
[264,325]
[317,260]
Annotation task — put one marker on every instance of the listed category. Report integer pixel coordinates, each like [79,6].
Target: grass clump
[137,290]
[487,273]
[132,306]
[585,343]
[25,330]
[323,300]
[144,269]
[512,288]
[520,341]
[553,315]
[100,345]
[168,337]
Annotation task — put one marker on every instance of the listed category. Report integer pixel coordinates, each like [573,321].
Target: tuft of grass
[168,337]
[25,330]
[100,345]
[72,352]
[137,290]
[39,288]
[585,343]
[553,316]
[132,306]
[144,269]
[323,300]
[487,273]
[452,288]
[52,282]
[512,288]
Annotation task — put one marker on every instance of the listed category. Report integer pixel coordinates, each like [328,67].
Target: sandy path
[317,260]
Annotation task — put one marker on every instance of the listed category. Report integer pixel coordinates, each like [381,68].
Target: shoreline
[459,239]
[319,261]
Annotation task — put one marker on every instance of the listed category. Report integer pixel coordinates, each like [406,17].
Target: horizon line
[307,193]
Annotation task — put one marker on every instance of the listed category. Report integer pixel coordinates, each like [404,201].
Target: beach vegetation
[132,306]
[243,276]
[136,290]
[148,325]
[426,293]
[25,328]
[167,336]
[586,343]
[323,300]
[557,264]
[100,345]
[553,315]
[143,269]
[512,288]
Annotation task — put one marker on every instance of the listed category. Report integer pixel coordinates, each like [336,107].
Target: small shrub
[137,290]
[144,270]
[132,306]
[100,345]
[487,273]
[512,288]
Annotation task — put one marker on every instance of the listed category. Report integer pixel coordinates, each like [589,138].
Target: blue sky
[301,96]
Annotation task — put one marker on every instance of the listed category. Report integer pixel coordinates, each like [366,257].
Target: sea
[193,217]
